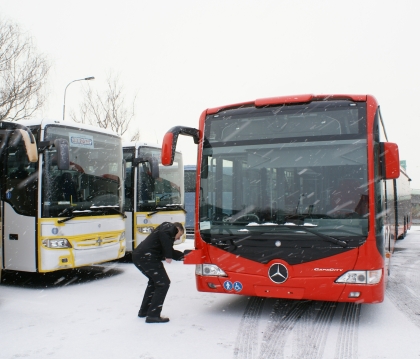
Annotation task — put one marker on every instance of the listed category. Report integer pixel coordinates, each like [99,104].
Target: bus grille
[93,242]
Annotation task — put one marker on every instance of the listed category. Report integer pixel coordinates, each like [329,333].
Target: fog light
[211,285]
[354,294]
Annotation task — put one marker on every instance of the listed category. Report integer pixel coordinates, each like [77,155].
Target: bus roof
[280,100]
[45,122]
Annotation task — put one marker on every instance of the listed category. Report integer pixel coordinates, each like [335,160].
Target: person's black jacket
[158,245]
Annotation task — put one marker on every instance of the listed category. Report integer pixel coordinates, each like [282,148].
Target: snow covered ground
[92,313]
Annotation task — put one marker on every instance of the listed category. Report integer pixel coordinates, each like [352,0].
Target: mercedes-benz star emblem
[278,273]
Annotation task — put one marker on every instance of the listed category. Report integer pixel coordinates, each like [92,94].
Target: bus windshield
[297,173]
[93,182]
[165,191]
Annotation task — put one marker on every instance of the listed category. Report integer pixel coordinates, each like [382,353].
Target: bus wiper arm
[321,235]
[71,212]
[66,219]
[166,208]
[66,210]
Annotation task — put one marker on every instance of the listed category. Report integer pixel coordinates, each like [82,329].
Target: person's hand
[168,260]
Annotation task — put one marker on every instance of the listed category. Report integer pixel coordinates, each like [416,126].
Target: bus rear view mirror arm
[170,140]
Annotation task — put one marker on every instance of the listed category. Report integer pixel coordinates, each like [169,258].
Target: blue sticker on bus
[228,285]
[237,286]
[54,230]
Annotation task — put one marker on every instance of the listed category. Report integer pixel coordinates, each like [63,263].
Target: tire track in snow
[284,317]
[246,346]
[403,287]
[347,344]
[304,324]
[312,331]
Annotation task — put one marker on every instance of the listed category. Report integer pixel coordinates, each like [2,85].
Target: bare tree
[109,109]
[23,74]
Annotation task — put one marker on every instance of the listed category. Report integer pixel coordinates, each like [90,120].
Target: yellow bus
[153,193]
[63,209]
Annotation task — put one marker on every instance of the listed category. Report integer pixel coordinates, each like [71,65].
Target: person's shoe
[142,315]
[157,320]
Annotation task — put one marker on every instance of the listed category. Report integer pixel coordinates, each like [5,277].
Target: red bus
[296,198]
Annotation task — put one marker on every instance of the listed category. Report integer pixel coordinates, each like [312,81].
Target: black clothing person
[148,257]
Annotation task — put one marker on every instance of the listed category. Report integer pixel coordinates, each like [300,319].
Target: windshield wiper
[103,208]
[321,235]
[72,212]
[66,219]
[304,228]
[167,207]
[66,210]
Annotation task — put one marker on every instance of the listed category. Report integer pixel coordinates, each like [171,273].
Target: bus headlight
[145,230]
[122,236]
[56,243]
[361,277]
[209,270]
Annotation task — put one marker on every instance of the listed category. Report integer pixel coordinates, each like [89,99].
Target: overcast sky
[181,57]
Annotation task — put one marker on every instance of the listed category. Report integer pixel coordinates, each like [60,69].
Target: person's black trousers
[157,287]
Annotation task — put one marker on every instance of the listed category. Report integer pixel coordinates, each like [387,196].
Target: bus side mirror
[153,162]
[154,167]
[171,138]
[30,145]
[63,157]
[391,160]
[28,138]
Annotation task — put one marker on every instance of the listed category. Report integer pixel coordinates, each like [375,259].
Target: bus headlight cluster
[56,243]
[122,236]
[209,270]
[361,277]
[145,230]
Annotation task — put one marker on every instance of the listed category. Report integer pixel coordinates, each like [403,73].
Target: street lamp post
[65,90]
